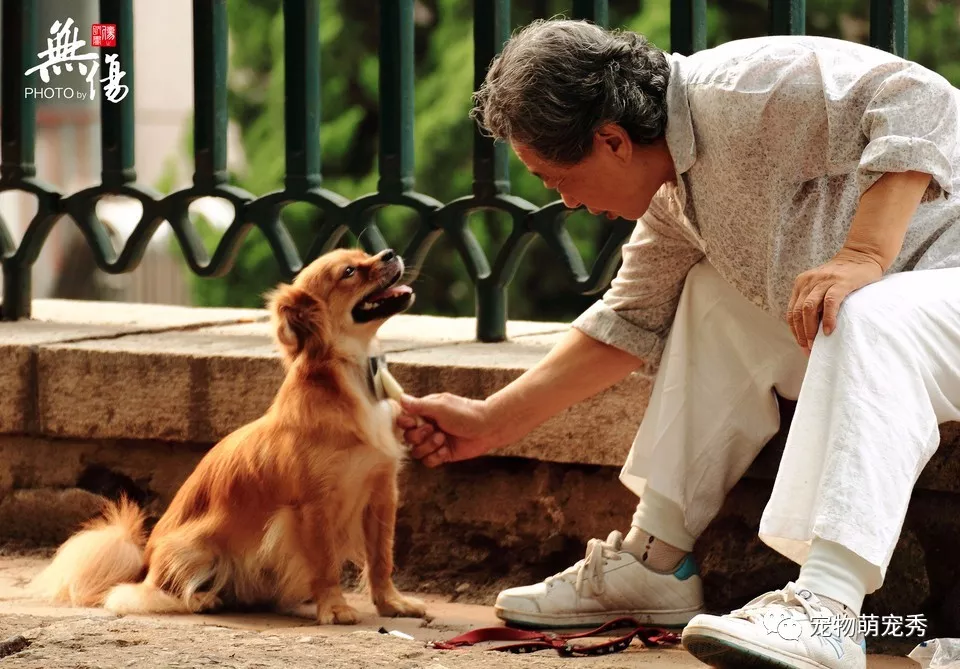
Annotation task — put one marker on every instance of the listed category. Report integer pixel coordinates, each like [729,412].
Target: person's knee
[865,311]
[872,323]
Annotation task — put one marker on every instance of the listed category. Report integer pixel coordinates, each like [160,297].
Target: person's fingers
[411,404]
[796,319]
[790,324]
[429,406]
[800,286]
[811,311]
[794,312]
[438,457]
[789,319]
[419,435]
[406,422]
[425,448]
[831,307]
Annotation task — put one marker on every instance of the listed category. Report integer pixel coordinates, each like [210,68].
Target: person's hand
[818,293]
[456,428]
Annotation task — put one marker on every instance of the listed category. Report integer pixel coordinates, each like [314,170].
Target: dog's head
[340,298]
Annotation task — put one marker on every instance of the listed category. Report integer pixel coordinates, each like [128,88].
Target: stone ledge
[92,370]
[63,321]
[95,370]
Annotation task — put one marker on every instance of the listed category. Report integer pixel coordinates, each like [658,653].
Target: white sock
[652,552]
[658,537]
[834,572]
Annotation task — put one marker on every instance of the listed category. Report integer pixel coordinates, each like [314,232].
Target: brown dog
[273,511]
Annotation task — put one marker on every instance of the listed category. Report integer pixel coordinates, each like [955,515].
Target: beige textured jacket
[774,140]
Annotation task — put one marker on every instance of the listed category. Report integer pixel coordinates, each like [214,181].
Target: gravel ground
[105,643]
[34,635]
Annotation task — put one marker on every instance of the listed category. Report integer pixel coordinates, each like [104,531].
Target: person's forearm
[884,215]
[577,368]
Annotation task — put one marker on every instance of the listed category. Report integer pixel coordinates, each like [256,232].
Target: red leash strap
[531,641]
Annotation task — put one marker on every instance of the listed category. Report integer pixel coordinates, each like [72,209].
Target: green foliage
[443,139]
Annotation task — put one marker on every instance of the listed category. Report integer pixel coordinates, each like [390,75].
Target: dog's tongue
[393,291]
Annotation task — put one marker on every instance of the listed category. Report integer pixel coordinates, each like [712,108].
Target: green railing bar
[116,118]
[491,166]
[788,17]
[18,120]
[210,93]
[888,26]
[302,125]
[18,126]
[301,71]
[597,11]
[396,96]
[688,26]
[491,29]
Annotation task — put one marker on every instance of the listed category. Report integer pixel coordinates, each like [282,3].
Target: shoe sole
[667,619]
[724,651]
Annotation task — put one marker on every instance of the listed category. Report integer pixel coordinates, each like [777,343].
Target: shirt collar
[679,132]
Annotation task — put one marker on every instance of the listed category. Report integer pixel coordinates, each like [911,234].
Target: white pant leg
[867,418]
[713,407]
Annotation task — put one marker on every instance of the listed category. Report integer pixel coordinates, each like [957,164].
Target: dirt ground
[64,638]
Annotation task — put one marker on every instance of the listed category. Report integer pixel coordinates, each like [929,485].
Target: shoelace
[787,598]
[591,567]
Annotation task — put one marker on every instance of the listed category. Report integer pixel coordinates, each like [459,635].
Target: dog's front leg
[321,554]
[379,522]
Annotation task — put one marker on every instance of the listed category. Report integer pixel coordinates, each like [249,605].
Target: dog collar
[374,365]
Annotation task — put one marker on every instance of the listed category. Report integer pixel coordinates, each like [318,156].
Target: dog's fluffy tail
[130,598]
[106,552]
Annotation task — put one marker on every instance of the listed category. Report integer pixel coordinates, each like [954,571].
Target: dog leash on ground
[532,641]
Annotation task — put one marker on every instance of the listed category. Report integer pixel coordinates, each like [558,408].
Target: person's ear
[614,140]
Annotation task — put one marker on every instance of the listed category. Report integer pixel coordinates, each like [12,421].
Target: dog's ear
[296,317]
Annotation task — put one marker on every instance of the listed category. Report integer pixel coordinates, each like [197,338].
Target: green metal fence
[303,181]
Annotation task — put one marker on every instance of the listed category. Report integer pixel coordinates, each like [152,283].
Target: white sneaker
[607,584]
[785,629]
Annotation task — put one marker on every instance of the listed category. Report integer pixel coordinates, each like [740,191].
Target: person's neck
[662,161]
[654,164]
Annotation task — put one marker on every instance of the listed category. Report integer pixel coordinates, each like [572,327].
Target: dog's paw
[202,602]
[398,606]
[337,614]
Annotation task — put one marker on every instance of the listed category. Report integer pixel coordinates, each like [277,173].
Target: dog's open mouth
[384,302]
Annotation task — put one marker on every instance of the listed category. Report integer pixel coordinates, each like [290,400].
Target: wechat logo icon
[785,627]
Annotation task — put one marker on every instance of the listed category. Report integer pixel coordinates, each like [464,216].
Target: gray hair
[556,82]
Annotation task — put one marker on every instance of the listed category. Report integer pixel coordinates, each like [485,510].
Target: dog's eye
[350,271]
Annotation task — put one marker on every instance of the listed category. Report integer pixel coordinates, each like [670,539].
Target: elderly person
[797,235]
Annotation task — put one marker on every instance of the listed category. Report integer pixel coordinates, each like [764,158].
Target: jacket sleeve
[637,311]
[911,124]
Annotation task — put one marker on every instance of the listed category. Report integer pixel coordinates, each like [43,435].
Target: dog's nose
[387,255]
